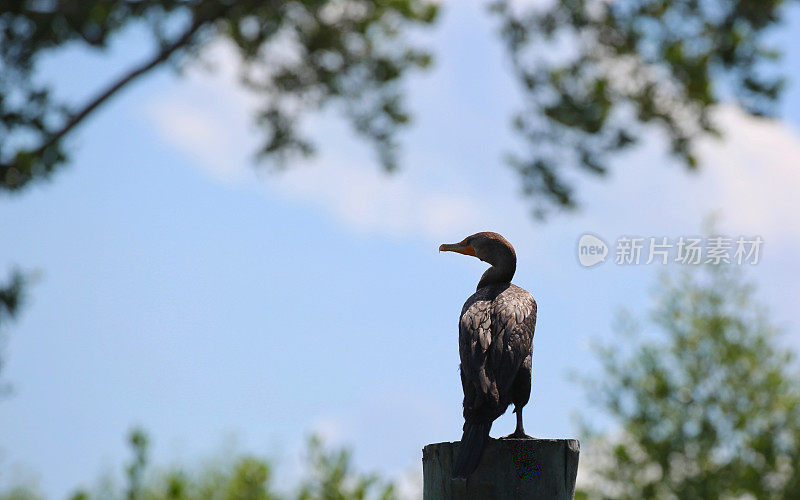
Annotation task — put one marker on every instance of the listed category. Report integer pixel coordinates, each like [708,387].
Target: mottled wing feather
[475,336]
[495,338]
[514,320]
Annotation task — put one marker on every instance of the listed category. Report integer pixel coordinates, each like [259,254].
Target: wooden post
[509,469]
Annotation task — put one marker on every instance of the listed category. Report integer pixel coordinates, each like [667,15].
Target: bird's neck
[502,271]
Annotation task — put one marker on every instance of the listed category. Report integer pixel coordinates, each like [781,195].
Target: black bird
[495,338]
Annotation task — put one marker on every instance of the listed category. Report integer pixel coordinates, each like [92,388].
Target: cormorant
[495,337]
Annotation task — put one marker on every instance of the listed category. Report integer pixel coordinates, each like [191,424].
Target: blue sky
[183,291]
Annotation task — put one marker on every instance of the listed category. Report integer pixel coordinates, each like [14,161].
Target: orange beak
[462,248]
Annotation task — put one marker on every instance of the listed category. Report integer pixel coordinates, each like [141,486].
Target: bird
[495,344]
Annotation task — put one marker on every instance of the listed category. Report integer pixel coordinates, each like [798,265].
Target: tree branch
[138,71]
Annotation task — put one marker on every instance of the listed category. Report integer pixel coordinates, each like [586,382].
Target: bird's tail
[473,442]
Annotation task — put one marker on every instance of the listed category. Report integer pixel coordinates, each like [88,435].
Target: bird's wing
[495,337]
[474,340]
[513,325]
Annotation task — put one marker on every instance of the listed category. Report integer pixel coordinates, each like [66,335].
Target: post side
[509,469]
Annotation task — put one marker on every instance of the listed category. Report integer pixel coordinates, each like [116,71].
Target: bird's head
[488,247]
[491,248]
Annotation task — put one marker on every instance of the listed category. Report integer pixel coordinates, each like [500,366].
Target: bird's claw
[517,435]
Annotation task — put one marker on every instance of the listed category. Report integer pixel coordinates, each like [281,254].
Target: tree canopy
[298,56]
[618,67]
[705,404]
[625,65]
[329,475]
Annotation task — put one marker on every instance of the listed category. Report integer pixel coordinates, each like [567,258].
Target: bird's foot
[517,435]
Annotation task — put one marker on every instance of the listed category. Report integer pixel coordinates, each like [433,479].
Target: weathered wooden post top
[495,343]
[510,468]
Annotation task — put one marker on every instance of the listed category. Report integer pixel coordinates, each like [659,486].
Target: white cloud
[751,175]
[754,171]
[192,129]
[209,121]
[368,200]
[360,196]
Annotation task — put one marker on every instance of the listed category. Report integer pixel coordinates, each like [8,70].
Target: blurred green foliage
[705,406]
[593,72]
[298,56]
[330,475]
[20,493]
[11,295]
